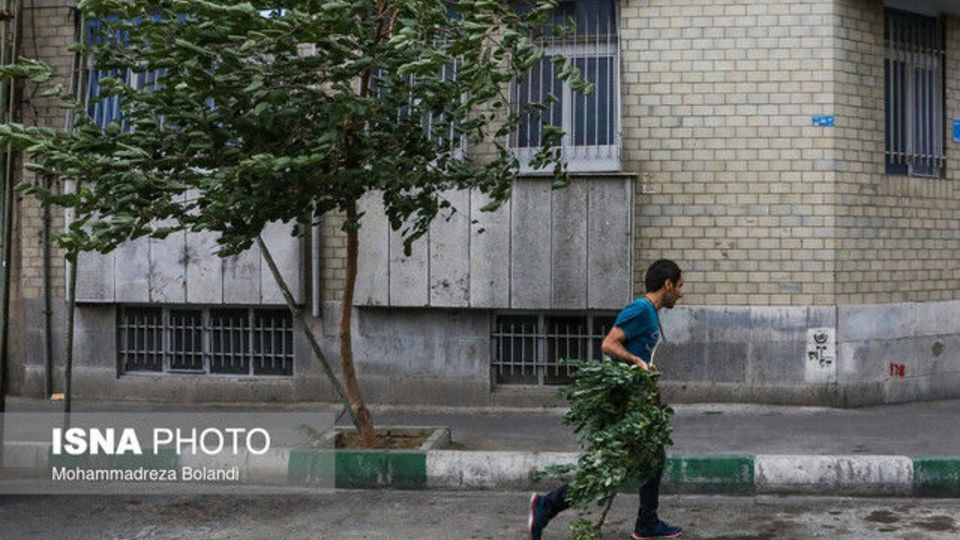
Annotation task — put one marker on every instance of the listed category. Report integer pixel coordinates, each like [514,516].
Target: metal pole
[7,206]
[47,307]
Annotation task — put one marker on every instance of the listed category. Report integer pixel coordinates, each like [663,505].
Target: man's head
[664,279]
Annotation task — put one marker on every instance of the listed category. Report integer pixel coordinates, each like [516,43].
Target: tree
[284,111]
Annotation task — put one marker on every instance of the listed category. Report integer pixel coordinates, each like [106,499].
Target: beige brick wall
[736,186]
[333,258]
[758,205]
[897,237]
[47,31]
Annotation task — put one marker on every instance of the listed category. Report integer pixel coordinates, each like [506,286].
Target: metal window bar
[515,349]
[230,341]
[273,342]
[914,94]
[141,339]
[599,328]
[590,122]
[105,110]
[566,338]
[437,127]
[185,341]
[235,341]
[528,349]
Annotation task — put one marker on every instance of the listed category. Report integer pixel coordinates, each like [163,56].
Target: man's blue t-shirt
[641,324]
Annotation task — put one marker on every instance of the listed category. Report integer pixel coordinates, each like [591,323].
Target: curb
[842,475]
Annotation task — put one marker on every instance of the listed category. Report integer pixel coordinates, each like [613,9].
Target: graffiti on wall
[821,358]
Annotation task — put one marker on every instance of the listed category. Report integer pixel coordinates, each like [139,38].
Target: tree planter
[373,468]
[434,438]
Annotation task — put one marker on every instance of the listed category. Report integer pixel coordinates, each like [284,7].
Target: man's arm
[613,346]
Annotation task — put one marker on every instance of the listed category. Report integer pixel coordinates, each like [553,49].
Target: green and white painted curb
[934,476]
[923,476]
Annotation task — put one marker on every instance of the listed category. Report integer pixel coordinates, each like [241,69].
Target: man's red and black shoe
[661,529]
[538,517]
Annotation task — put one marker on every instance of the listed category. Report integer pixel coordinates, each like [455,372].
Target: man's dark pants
[556,501]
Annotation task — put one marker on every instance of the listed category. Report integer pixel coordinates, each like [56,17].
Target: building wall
[785,230]
[180,269]
[783,214]
[737,184]
[332,258]
[897,237]
[544,249]
[47,30]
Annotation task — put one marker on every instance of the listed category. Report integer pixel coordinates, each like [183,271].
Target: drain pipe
[47,308]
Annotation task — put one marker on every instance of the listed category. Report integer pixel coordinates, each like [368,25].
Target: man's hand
[613,346]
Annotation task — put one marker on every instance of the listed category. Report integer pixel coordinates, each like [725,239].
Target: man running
[633,339]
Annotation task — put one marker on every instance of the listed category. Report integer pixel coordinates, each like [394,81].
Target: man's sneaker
[661,530]
[538,517]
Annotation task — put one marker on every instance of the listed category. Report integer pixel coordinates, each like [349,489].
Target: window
[229,341]
[397,90]
[528,349]
[106,109]
[913,86]
[591,122]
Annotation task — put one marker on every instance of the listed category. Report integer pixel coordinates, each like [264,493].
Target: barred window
[529,349]
[913,86]
[104,109]
[591,122]
[440,128]
[229,341]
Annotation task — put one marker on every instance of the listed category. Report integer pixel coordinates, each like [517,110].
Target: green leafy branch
[623,428]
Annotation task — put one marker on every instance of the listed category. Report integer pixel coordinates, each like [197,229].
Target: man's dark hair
[659,272]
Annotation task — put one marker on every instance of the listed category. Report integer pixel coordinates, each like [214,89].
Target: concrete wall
[898,352]
[543,249]
[184,268]
[416,356]
[746,354]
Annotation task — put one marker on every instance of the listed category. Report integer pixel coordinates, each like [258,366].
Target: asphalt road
[452,515]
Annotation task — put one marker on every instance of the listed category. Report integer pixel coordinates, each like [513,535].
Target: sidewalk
[923,428]
[900,449]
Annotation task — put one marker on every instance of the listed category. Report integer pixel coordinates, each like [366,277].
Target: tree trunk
[365,420]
